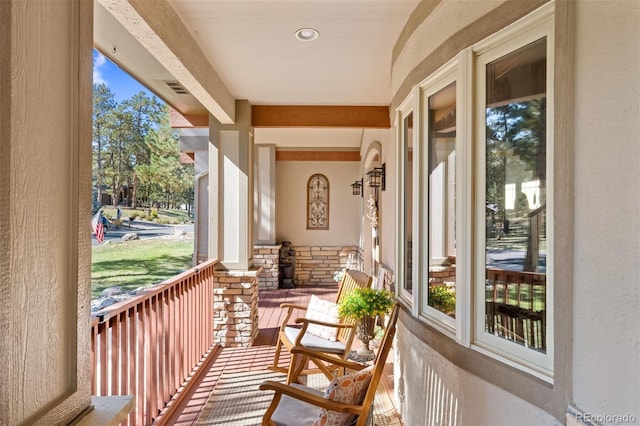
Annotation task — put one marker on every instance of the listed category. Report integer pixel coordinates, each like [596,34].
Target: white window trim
[468,71]
[533,27]
[408,106]
[445,75]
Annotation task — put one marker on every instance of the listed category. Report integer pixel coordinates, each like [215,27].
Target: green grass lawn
[137,263]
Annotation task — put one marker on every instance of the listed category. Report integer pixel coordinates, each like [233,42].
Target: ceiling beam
[157,27]
[181,121]
[320,116]
[317,155]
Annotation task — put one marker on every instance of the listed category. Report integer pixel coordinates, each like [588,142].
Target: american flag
[97,228]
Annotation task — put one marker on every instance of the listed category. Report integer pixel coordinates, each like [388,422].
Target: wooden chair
[290,336]
[305,405]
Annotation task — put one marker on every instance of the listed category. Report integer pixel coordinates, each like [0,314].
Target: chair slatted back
[351,280]
[379,364]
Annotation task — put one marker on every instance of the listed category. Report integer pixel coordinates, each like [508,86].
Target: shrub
[443,299]
[365,302]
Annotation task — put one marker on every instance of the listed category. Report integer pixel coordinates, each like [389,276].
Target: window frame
[452,72]
[468,327]
[535,27]
[407,107]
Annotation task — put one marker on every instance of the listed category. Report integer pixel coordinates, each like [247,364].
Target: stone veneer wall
[267,257]
[441,275]
[316,265]
[235,305]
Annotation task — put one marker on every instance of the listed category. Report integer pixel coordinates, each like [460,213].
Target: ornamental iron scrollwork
[318,202]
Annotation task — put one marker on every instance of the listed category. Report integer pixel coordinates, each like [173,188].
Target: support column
[196,141]
[231,190]
[45,193]
[265,197]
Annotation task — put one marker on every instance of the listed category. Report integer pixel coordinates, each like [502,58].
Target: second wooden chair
[315,331]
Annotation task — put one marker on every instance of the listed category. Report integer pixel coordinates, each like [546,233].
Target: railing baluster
[131,351]
[140,342]
[172,340]
[123,352]
[164,353]
[103,331]
[113,355]
[94,342]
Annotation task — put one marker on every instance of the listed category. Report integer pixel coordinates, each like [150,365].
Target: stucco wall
[452,396]
[600,371]
[607,208]
[291,208]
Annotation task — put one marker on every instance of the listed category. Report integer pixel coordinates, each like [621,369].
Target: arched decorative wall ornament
[318,202]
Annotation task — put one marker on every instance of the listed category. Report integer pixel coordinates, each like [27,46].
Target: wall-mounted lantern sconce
[357,187]
[376,177]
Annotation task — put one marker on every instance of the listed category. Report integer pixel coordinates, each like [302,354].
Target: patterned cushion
[325,311]
[349,389]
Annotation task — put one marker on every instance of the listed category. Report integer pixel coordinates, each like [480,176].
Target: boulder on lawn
[130,236]
[112,291]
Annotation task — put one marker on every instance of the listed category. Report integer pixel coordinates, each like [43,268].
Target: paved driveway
[143,229]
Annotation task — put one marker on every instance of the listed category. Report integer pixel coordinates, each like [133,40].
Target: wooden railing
[515,306]
[147,346]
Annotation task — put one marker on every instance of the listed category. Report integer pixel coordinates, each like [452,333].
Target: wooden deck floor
[257,357]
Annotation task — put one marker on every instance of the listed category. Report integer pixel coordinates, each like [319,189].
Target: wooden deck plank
[254,358]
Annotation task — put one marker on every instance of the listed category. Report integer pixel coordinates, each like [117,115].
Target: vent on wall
[177,87]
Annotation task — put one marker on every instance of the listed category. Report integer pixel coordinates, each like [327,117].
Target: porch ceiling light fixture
[376,177]
[307,34]
[357,188]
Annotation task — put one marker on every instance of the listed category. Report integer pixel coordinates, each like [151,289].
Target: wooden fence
[147,346]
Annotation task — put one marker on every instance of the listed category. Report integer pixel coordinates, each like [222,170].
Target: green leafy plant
[366,302]
[441,298]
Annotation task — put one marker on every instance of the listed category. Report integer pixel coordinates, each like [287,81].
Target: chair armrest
[306,322]
[326,324]
[290,308]
[331,358]
[310,398]
[293,306]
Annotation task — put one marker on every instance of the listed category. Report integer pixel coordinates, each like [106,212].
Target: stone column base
[235,306]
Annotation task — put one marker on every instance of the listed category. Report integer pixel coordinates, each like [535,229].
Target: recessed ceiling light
[307,34]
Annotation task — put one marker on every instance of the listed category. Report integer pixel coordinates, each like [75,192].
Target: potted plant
[364,305]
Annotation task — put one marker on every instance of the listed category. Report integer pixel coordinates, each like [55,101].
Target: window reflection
[441,145]
[407,138]
[515,242]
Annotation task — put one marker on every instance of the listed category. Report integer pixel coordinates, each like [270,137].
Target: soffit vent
[177,87]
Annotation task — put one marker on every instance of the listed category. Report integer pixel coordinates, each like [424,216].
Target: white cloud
[98,62]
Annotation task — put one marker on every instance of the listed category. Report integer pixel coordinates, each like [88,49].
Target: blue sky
[118,81]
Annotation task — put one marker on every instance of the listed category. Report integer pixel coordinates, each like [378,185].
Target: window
[439,189]
[441,166]
[512,286]
[482,222]
[407,252]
